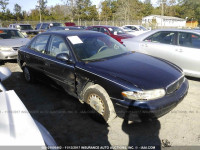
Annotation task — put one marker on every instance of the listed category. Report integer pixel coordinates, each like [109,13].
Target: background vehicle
[10,41]
[24,28]
[70,24]
[42,27]
[18,128]
[101,72]
[114,32]
[181,47]
[63,28]
[135,29]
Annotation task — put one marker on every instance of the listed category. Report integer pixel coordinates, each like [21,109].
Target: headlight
[5,48]
[144,95]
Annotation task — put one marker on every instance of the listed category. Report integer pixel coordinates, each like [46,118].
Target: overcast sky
[30,4]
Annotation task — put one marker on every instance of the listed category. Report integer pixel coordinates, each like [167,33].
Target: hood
[144,71]
[14,42]
[17,127]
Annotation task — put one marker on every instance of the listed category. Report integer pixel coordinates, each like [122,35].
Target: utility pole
[162,11]
[39,2]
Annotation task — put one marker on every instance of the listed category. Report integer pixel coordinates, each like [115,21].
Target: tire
[28,75]
[98,99]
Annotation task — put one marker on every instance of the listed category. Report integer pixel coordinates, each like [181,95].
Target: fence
[88,23]
[79,22]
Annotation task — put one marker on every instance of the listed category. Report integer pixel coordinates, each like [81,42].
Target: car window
[162,37]
[45,26]
[38,26]
[39,44]
[189,40]
[116,30]
[103,30]
[57,46]
[10,34]
[132,28]
[96,47]
[95,29]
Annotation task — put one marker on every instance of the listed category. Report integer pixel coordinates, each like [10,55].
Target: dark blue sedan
[101,72]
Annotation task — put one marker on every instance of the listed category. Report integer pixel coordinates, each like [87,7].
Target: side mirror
[63,57]
[4,73]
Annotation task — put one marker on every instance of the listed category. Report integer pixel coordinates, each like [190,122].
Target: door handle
[46,64]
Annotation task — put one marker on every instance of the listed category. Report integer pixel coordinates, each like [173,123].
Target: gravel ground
[65,118]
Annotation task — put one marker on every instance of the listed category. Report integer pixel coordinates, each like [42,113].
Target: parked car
[42,27]
[70,24]
[10,41]
[181,47]
[101,72]
[24,28]
[18,128]
[135,29]
[63,28]
[114,32]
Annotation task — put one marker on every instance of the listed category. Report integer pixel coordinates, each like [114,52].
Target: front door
[61,72]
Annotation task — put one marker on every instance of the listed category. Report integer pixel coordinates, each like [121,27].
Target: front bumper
[142,110]
[6,55]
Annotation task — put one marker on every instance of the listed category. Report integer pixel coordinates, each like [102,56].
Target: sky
[30,4]
[27,5]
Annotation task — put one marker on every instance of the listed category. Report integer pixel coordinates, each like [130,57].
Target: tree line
[121,10]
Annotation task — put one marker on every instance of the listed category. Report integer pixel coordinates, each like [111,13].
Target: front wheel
[28,75]
[99,100]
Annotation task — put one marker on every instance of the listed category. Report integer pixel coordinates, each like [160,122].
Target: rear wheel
[28,75]
[98,99]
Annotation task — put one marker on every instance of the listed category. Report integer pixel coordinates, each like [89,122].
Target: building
[192,24]
[164,21]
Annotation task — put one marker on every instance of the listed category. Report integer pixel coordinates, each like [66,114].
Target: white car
[17,127]
[134,29]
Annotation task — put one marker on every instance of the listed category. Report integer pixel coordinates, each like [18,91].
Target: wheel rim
[96,103]
[27,74]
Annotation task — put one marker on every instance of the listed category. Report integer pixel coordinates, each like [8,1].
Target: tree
[106,13]
[17,10]
[85,11]
[3,4]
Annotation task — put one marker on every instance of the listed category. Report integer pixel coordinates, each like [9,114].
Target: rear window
[10,34]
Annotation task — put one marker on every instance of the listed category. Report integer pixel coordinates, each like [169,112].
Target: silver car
[181,47]
[10,41]
[17,127]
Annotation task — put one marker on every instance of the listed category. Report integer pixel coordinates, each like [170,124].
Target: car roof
[146,34]
[73,32]
[107,26]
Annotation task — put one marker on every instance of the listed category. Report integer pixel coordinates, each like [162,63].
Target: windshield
[26,27]
[142,28]
[95,47]
[116,30]
[10,34]
[57,24]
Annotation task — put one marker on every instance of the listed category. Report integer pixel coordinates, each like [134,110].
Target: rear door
[188,53]
[35,53]
[61,72]
[162,44]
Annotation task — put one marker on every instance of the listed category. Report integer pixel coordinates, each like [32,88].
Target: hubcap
[27,74]
[96,103]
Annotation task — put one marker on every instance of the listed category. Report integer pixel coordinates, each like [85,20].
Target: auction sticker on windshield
[75,40]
